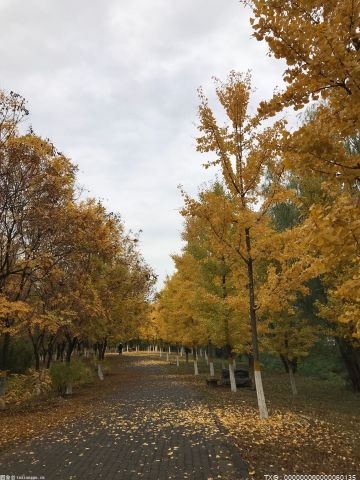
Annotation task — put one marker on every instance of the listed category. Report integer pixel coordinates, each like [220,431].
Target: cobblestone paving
[154,427]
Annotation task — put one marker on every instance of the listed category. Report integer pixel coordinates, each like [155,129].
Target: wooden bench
[242,377]
[212,382]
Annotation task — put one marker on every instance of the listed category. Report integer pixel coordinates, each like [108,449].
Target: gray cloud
[114,83]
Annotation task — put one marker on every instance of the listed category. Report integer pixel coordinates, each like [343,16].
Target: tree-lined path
[153,427]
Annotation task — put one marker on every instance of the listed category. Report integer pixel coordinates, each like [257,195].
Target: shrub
[21,355]
[324,362]
[22,388]
[75,373]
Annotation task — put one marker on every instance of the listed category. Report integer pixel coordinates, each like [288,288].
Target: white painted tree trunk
[196,369]
[292,381]
[181,351]
[169,349]
[69,389]
[160,352]
[260,395]
[167,357]
[212,372]
[100,372]
[177,360]
[127,347]
[232,377]
[37,389]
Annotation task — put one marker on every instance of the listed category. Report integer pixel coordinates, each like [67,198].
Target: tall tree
[246,151]
[222,301]
[36,182]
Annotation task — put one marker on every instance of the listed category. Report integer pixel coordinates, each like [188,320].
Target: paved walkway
[156,427]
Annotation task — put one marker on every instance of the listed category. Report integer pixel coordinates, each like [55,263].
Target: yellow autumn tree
[321,47]
[246,151]
[223,301]
[183,323]
[36,182]
[333,236]
[125,287]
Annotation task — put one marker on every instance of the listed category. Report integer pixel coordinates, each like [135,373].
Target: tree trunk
[48,362]
[196,368]
[284,362]
[60,349]
[292,380]
[290,367]
[69,389]
[102,349]
[48,351]
[100,372]
[36,352]
[211,359]
[255,347]
[187,351]
[37,359]
[5,352]
[251,367]
[71,343]
[250,362]
[36,342]
[350,353]
[232,375]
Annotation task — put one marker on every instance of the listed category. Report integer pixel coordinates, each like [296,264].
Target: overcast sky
[114,83]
